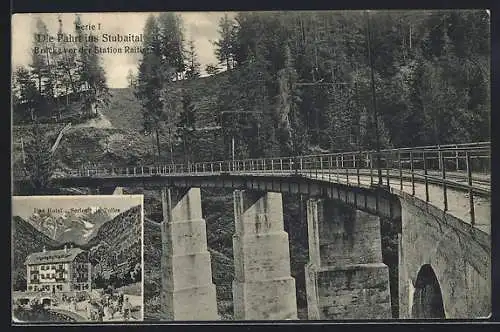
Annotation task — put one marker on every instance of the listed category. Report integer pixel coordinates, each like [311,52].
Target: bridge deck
[458,200]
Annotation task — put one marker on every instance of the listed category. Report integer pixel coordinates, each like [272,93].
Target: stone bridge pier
[188,292]
[263,287]
[345,276]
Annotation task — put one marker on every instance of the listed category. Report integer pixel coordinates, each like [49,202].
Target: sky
[201,27]
[24,206]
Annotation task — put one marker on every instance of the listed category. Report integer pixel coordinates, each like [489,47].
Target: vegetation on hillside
[67,79]
[39,164]
[297,81]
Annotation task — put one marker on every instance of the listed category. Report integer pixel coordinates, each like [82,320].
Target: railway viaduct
[438,196]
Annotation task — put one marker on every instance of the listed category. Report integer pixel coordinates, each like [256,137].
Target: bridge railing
[464,167]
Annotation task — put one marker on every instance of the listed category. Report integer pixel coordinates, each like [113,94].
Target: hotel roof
[53,256]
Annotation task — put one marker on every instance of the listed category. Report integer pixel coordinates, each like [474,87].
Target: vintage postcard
[77,258]
[295,165]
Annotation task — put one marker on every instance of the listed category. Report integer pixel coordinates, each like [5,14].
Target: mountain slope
[117,246]
[72,226]
[26,239]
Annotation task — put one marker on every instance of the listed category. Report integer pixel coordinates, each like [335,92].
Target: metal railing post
[371,169]
[441,160]
[342,160]
[412,174]
[387,170]
[272,165]
[346,168]
[400,171]
[330,168]
[471,192]
[281,165]
[212,167]
[357,169]
[456,158]
[316,167]
[337,168]
[443,173]
[425,178]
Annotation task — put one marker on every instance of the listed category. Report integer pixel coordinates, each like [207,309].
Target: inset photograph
[77,258]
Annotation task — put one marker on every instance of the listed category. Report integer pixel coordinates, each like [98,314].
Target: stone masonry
[345,277]
[263,288]
[188,292]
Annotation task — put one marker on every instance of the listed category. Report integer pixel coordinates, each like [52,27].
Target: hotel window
[60,266]
[59,287]
[52,267]
[52,276]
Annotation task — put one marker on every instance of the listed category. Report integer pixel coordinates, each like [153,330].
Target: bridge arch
[427,298]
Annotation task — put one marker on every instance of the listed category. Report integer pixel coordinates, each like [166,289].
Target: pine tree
[43,66]
[26,92]
[39,61]
[92,78]
[170,33]
[65,66]
[150,81]
[39,161]
[193,66]
[225,45]
[186,126]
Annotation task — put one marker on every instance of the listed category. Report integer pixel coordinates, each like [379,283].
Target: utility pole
[374,101]
[232,135]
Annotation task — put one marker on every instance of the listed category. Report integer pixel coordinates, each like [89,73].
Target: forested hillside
[26,239]
[297,80]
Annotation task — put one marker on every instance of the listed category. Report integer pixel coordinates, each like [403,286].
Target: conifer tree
[150,81]
[92,77]
[193,66]
[225,45]
[186,126]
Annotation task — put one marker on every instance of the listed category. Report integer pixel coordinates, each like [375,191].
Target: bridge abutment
[188,292]
[345,276]
[263,287]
